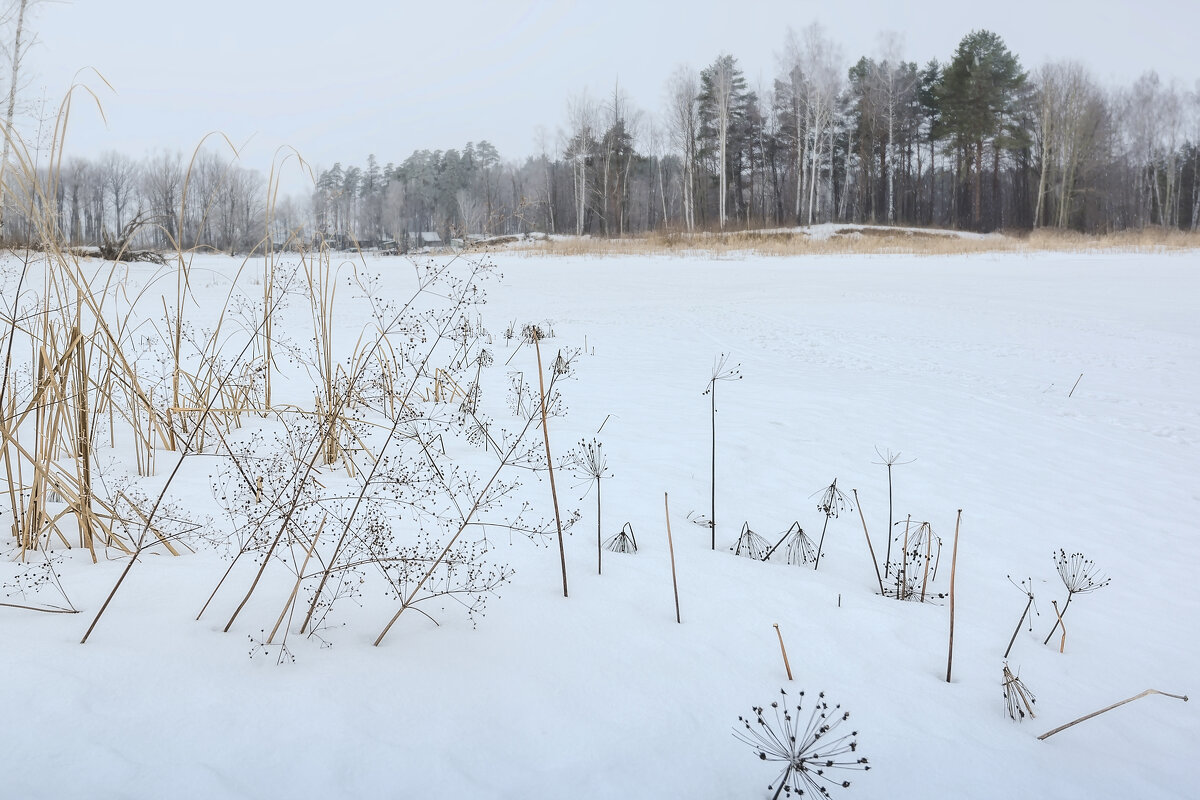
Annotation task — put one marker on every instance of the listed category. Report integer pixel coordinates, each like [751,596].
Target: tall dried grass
[862,240]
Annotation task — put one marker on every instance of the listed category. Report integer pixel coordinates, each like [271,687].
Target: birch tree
[814,79]
[1070,112]
[580,149]
[718,83]
[897,83]
[683,89]
[1195,137]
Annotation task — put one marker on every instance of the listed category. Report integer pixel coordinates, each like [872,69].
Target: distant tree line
[977,143]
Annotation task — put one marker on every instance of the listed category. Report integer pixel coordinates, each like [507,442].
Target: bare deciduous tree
[684,121]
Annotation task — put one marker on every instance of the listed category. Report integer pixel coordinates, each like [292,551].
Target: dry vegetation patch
[859,240]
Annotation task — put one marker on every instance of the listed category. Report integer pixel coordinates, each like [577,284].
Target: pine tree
[975,95]
[724,113]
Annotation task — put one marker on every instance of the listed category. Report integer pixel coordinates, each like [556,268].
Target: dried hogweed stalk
[808,752]
[1080,575]
[623,542]
[751,545]
[721,372]
[800,549]
[833,502]
[590,463]
[1017,698]
[1024,586]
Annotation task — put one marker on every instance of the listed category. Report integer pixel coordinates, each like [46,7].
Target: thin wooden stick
[1018,629]
[1066,605]
[1021,693]
[671,548]
[783,650]
[562,553]
[953,570]
[874,563]
[1077,380]
[1062,643]
[712,514]
[299,577]
[599,547]
[44,610]
[1048,734]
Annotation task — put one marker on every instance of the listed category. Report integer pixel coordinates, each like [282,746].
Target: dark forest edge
[974,144]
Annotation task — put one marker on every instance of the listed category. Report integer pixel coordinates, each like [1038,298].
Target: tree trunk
[997,218]
[891,174]
[723,136]
[1041,192]
[932,177]
[801,152]
[977,211]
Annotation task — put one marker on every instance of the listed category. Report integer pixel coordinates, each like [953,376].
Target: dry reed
[854,239]
[953,574]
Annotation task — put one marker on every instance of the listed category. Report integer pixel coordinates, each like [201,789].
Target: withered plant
[1025,587]
[721,371]
[889,460]
[800,549]
[86,373]
[832,503]
[623,541]
[590,463]
[389,502]
[559,368]
[751,545]
[1080,576]
[920,552]
[1018,699]
[813,753]
[29,587]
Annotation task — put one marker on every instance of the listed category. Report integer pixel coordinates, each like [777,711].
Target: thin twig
[671,548]
[953,570]
[562,553]
[874,563]
[783,650]
[1048,734]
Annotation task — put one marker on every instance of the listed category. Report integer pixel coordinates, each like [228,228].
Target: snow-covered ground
[831,230]
[962,365]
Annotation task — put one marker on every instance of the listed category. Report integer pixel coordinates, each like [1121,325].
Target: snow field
[963,364]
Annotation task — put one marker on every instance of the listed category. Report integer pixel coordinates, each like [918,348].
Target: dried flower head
[1080,575]
[721,371]
[623,542]
[833,501]
[589,461]
[751,545]
[809,752]
[1018,699]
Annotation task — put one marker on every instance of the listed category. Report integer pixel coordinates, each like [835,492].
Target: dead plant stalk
[671,549]
[871,548]
[1086,717]
[783,650]
[953,572]
[562,553]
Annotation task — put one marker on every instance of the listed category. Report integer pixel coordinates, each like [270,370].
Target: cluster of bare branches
[391,481]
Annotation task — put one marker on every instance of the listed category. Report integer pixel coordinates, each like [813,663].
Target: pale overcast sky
[339,79]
